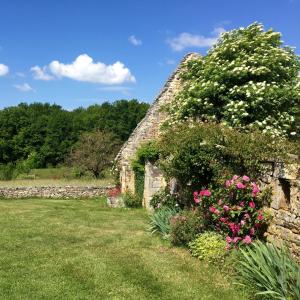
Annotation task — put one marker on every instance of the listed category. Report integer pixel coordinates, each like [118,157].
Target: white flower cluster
[247,79]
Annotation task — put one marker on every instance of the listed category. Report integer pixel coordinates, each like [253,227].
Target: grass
[80,249]
[61,176]
[55,182]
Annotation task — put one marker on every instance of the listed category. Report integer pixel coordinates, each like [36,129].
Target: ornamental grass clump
[234,210]
[271,271]
[160,221]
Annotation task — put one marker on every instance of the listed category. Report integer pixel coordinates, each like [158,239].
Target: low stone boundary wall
[66,192]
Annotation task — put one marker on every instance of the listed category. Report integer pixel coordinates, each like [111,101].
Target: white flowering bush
[248,79]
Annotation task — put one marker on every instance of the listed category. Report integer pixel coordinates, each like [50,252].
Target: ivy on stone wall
[147,152]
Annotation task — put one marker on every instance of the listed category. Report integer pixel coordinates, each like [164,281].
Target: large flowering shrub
[234,210]
[248,79]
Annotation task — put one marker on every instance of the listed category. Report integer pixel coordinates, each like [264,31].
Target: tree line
[43,134]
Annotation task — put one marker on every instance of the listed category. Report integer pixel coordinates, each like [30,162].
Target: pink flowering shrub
[234,210]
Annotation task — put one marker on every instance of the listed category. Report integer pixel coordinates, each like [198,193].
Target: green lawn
[80,249]
[55,182]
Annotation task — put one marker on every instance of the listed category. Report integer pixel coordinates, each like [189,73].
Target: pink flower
[236,239]
[220,202]
[260,217]
[217,212]
[212,209]
[246,178]
[247,239]
[255,189]
[228,183]
[226,208]
[235,177]
[196,199]
[252,231]
[242,203]
[205,193]
[242,222]
[235,228]
[228,239]
[223,220]
[252,204]
[246,216]
[240,185]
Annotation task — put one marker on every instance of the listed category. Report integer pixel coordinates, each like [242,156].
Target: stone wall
[66,192]
[154,182]
[285,206]
[148,128]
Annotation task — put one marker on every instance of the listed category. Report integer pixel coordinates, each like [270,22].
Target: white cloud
[41,73]
[134,41]
[4,70]
[25,87]
[83,68]
[187,40]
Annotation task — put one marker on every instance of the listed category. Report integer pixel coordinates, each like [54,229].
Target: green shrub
[209,246]
[163,199]
[185,226]
[160,221]
[270,270]
[131,200]
[199,154]
[7,171]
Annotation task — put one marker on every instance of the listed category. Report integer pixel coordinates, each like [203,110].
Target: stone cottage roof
[148,128]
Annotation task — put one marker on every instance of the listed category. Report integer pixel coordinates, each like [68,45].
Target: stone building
[148,129]
[283,179]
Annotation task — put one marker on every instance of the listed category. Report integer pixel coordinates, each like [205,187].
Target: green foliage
[209,246]
[132,201]
[94,152]
[160,221]
[139,183]
[45,133]
[270,270]
[198,154]
[248,79]
[7,171]
[163,199]
[185,226]
[146,152]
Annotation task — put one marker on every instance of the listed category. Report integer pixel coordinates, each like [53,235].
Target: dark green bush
[198,154]
[163,199]
[185,226]
[270,270]
[7,171]
[131,200]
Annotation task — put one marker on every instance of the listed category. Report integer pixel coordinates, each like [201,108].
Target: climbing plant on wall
[147,152]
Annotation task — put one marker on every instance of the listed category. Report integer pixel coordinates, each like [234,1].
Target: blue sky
[77,53]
